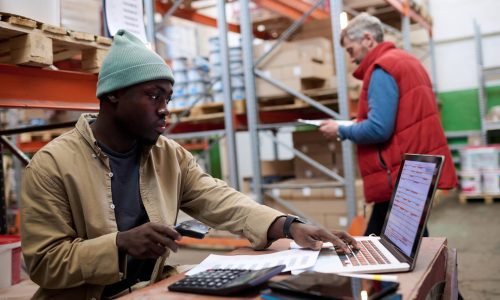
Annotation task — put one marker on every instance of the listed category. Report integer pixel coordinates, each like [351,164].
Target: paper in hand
[318,122]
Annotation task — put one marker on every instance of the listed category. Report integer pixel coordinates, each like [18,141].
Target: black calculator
[224,282]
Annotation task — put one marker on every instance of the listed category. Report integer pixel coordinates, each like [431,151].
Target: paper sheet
[318,122]
[294,259]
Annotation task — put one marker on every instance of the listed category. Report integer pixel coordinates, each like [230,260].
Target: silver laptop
[397,248]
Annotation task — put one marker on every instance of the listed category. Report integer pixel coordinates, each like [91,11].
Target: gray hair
[361,24]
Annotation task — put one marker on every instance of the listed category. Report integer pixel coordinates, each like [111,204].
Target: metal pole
[405,28]
[289,31]
[15,151]
[3,202]
[172,9]
[276,155]
[433,65]
[340,69]
[297,94]
[480,82]
[149,8]
[247,37]
[228,99]
[308,160]
[432,51]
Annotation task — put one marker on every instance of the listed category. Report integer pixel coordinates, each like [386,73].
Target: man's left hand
[311,236]
[329,128]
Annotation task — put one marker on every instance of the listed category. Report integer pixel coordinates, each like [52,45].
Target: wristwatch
[288,223]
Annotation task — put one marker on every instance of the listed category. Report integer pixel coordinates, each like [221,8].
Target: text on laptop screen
[409,203]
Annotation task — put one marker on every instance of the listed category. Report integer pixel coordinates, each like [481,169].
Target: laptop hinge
[395,252]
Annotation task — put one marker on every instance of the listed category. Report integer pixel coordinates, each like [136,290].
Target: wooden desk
[429,270]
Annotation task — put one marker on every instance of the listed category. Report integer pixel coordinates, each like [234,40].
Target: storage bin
[10,260]
[471,182]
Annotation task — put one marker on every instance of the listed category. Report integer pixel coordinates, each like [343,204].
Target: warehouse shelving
[55,89]
[485,75]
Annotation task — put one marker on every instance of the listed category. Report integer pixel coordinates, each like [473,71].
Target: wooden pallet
[325,96]
[487,199]
[27,42]
[204,112]
[41,136]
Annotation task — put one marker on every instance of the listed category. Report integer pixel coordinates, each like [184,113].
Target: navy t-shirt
[129,211]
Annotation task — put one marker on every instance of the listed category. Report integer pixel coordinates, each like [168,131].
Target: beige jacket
[68,224]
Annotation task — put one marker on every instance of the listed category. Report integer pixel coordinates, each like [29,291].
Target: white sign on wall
[125,14]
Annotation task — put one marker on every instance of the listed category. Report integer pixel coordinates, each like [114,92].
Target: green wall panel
[460,110]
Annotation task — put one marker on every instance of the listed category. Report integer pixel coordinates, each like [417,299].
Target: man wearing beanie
[99,203]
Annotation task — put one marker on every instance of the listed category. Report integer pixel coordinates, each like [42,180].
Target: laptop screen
[410,202]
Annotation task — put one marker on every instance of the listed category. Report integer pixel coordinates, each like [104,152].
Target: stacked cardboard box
[332,214]
[301,65]
[325,151]
[307,189]
[323,206]
[279,168]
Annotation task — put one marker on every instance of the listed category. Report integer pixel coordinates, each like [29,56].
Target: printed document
[295,259]
[318,122]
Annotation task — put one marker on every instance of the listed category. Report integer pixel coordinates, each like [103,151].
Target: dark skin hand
[150,240]
[311,236]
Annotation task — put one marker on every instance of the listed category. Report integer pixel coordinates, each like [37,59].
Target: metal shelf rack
[50,95]
[485,75]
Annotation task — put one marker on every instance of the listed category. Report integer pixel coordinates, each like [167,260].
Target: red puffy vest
[417,129]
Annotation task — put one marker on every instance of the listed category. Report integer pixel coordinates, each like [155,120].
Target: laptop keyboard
[368,254]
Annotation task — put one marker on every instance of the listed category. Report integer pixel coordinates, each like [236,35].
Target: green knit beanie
[130,62]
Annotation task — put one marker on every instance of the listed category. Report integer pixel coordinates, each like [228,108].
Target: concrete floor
[472,228]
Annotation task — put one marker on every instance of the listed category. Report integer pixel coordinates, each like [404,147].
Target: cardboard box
[311,50]
[310,70]
[282,168]
[325,151]
[305,170]
[308,190]
[336,221]
[311,207]
[330,214]
[310,137]
[264,89]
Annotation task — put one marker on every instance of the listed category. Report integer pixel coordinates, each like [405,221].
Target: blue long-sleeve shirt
[383,100]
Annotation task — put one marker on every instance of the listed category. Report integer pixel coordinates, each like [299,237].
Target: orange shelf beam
[31,147]
[304,7]
[25,87]
[192,15]
[280,8]
[403,9]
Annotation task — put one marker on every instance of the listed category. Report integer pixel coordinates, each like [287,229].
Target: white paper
[344,122]
[311,122]
[294,259]
[126,14]
[318,122]
[294,245]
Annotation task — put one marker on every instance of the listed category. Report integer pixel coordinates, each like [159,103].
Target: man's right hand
[150,240]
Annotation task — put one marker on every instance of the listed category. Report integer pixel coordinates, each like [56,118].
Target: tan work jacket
[68,225]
